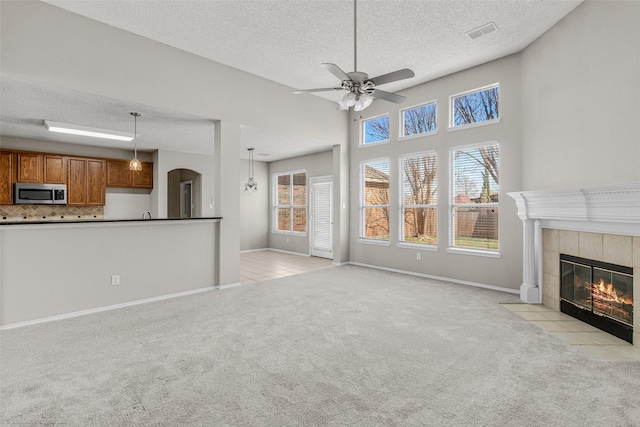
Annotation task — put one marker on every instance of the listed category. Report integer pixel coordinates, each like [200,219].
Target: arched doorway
[184,193]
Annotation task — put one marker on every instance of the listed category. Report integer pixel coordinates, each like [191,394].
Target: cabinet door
[55,169]
[96,182]
[6,178]
[29,167]
[118,173]
[77,182]
[143,178]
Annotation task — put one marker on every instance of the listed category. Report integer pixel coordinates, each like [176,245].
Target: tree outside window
[375,130]
[418,120]
[290,207]
[374,199]
[476,106]
[419,196]
[475,197]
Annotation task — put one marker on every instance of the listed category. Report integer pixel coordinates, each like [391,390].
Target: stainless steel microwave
[40,194]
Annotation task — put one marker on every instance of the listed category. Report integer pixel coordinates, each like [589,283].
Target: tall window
[374,199]
[419,197]
[419,120]
[479,105]
[375,129]
[474,196]
[290,202]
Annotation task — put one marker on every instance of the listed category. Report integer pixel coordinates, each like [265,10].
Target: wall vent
[481,31]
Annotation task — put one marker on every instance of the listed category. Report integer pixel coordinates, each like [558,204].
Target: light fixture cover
[87,131]
[135,165]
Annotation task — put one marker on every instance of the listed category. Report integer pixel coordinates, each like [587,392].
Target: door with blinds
[321,232]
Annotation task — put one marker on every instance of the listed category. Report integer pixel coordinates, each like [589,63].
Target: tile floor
[264,265]
[583,337]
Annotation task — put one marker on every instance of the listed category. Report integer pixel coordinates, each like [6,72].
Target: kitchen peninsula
[56,269]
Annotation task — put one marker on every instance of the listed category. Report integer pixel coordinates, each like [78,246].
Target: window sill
[417,135]
[421,246]
[374,242]
[290,233]
[372,144]
[474,125]
[474,252]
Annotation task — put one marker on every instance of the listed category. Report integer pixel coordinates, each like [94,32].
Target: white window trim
[401,205]
[361,143]
[456,249]
[275,206]
[401,136]
[420,246]
[451,127]
[361,206]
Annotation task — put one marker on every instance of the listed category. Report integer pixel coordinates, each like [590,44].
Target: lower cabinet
[86,182]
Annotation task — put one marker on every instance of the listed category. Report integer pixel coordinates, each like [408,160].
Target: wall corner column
[227,201]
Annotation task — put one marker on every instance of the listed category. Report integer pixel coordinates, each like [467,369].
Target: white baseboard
[288,252]
[112,307]
[445,279]
[253,250]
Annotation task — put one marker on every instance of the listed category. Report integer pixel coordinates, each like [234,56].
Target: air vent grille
[481,31]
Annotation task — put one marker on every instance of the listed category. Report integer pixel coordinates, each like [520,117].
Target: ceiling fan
[361,90]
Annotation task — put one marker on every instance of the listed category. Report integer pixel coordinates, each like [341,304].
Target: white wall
[129,204]
[254,207]
[580,92]
[152,258]
[319,164]
[504,272]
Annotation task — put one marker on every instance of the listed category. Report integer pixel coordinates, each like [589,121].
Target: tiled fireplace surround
[598,223]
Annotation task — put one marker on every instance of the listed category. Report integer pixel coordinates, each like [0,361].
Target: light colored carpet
[345,346]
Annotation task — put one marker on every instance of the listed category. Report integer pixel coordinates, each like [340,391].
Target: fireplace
[598,293]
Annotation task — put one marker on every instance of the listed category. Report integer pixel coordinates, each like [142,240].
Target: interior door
[321,233]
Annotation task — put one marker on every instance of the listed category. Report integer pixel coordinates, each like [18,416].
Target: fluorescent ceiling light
[87,131]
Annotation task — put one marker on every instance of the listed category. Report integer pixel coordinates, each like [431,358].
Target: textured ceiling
[286,40]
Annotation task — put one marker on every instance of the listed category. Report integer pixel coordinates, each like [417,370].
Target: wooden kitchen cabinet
[29,167]
[118,173]
[86,181]
[55,169]
[143,178]
[6,177]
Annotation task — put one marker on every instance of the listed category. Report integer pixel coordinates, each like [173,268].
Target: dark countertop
[102,221]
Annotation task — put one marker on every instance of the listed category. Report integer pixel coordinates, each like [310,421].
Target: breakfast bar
[63,268]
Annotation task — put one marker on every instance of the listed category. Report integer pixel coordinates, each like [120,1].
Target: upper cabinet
[55,169]
[86,181]
[6,177]
[30,167]
[119,175]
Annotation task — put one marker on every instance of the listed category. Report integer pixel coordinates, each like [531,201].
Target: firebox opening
[598,293]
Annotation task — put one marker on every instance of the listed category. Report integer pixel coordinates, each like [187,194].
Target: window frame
[361,137]
[362,233]
[275,206]
[453,127]
[401,205]
[451,248]
[402,136]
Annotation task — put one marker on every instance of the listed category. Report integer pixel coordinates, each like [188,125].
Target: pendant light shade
[251,184]
[135,164]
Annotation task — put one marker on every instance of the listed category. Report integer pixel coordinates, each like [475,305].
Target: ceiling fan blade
[388,96]
[336,71]
[394,76]
[324,89]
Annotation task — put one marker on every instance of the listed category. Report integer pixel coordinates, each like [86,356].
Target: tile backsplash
[29,213]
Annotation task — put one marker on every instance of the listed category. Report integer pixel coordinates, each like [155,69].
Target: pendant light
[135,164]
[251,184]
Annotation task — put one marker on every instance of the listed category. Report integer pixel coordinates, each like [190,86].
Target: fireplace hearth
[598,293]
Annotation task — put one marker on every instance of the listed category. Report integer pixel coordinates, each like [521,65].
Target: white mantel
[611,209]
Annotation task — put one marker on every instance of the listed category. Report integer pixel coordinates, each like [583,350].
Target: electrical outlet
[287,240]
[418,256]
[115,280]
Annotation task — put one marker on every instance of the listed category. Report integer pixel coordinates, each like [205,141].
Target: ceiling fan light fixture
[363,102]
[349,99]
